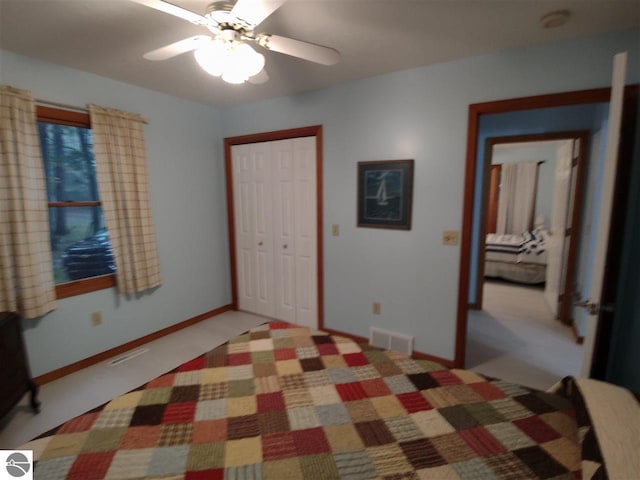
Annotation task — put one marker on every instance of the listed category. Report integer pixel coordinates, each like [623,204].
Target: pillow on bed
[608,421]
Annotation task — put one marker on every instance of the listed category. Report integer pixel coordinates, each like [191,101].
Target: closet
[275,217]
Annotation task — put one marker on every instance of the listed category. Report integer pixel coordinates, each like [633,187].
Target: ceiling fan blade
[255,11]
[174,10]
[261,77]
[177,48]
[297,48]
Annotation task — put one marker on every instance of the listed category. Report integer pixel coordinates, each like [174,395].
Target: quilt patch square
[343,438]
[422,454]
[148,415]
[362,411]
[206,456]
[209,431]
[374,433]
[537,429]
[213,391]
[482,442]
[130,464]
[452,448]
[539,461]
[90,466]
[509,467]
[179,412]
[324,395]
[414,402]
[103,439]
[351,391]
[354,465]
[403,429]
[268,402]
[168,460]
[188,393]
[245,451]
[272,422]
[277,446]
[311,441]
[333,414]
[311,364]
[423,381]
[242,427]
[375,387]
[141,437]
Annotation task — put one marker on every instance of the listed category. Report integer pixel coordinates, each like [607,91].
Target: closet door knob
[259,244]
[284,246]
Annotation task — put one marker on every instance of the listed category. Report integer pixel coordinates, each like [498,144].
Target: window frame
[85,285]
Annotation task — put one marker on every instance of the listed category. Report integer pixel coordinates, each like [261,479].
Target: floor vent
[391,340]
[127,356]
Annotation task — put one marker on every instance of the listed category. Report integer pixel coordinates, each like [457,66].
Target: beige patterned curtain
[26,272]
[121,170]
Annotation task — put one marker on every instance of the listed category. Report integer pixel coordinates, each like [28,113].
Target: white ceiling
[109,37]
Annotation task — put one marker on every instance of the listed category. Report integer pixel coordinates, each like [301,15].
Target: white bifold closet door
[275,211]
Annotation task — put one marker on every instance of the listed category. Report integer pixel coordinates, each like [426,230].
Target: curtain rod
[72,107]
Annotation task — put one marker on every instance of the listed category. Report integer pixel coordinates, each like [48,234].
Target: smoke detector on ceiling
[555,19]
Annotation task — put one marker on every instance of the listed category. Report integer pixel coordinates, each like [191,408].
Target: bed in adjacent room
[286,402]
[518,258]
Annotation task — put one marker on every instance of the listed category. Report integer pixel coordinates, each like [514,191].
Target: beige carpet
[515,338]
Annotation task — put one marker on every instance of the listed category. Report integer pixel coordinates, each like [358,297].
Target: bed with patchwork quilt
[286,402]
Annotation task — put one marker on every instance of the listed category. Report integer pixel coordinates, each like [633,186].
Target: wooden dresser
[15,376]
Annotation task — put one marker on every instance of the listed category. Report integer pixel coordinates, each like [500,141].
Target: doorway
[469,232]
[541,248]
[296,260]
[530,234]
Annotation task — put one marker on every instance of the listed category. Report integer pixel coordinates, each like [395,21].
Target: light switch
[450,237]
[335,230]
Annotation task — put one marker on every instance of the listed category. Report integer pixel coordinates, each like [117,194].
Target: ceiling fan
[227,52]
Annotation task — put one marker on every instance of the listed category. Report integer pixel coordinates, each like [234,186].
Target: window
[82,256]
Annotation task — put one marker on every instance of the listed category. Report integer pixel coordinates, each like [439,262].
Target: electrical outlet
[96,319]
[450,237]
[376,308]
[335,230]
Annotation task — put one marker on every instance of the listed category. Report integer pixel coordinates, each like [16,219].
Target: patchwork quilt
[284,402]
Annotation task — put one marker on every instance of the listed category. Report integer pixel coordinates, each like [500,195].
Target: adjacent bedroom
[283,239]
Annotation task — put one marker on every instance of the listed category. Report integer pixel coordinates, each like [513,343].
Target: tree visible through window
[79,238]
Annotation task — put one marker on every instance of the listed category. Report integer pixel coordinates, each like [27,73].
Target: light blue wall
[420,114]
[186,176]
[581,117]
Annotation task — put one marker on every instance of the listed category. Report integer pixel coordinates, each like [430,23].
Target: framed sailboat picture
[385,191]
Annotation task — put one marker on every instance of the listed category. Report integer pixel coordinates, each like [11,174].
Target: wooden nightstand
[15,375]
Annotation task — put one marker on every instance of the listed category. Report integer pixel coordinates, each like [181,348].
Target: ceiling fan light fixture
[235,61]
[211,57]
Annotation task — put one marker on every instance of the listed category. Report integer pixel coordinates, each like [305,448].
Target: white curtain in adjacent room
[517,201]
[121,171]
[26,270]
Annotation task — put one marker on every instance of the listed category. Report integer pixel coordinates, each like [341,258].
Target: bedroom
[423,114]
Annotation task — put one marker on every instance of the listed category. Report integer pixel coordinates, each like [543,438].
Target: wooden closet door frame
[310,131]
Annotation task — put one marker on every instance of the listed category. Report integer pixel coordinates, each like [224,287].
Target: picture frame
[385,194]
